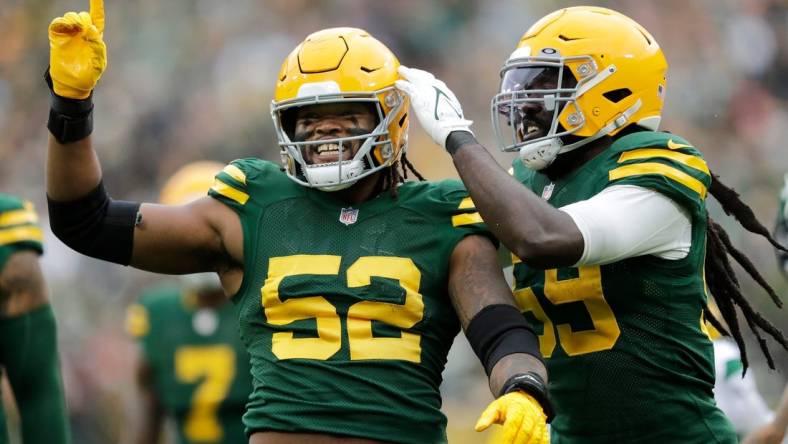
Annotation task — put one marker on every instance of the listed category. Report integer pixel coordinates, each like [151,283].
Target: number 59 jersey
[628,358]
[344,308]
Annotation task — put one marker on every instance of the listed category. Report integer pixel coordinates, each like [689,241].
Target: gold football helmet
[617,79]
[340,65]
[189,183]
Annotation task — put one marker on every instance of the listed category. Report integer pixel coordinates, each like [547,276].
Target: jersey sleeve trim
[661,169]
[228,191]
[236,173]
[466,204]
[466,219]
[18,217]
[689,160]
[19,234]
[459,220]
[230,185]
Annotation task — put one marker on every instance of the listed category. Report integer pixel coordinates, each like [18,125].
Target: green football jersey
[19,229]
[628,357]
[344,308]
[200,369]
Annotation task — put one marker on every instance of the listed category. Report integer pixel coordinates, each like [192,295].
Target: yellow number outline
[216,364]
[404,316]
[586,288]
[329,333]
[362,343]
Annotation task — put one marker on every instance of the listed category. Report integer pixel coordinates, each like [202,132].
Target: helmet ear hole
[373,109]
[617,95]
[402,120]
[569,79]
[287,120]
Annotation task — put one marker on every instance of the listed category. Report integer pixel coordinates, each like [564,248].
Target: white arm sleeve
[737,397]
[626,221]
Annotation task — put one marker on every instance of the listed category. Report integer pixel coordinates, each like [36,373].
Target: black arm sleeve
[96,225]
[500,330]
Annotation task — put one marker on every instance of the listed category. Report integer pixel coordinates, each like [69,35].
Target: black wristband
[534,385]
[70,120]
[457,139]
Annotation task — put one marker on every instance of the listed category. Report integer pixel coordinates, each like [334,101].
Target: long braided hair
[722,281]
[398,173]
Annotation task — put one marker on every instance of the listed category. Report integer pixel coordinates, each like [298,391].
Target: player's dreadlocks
[722,281]
[394,176]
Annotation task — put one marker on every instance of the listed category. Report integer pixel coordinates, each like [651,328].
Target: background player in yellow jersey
[192,366]
[351,285]
[607,221]
[28,337]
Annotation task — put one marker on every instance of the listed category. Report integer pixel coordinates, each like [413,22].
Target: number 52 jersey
[344,308]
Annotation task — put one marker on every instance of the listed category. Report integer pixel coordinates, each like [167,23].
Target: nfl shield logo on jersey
[348,216]
[548,191]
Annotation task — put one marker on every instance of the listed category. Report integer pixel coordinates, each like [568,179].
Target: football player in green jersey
[192,366]
[28,337]
[351,284]
[608,225]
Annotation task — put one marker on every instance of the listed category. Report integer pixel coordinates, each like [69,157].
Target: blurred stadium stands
[192,79]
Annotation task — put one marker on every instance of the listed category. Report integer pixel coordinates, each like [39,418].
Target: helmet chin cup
[540,154]
[324,177]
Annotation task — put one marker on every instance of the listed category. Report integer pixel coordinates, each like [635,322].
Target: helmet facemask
[374,153]
[546,83]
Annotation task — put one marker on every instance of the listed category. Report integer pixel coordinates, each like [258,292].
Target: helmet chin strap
[540,155]
[324,177]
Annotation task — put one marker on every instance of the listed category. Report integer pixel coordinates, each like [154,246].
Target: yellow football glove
[77,53]
[521,416]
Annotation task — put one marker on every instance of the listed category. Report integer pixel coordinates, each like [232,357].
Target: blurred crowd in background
[192,79]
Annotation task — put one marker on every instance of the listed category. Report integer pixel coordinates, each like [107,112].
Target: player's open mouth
[529,130]
[328,153]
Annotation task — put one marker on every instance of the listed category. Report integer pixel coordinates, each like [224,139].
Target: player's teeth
[532,129]
[327,147]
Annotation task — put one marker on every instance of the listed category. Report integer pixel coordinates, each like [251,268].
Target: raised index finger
[97,14]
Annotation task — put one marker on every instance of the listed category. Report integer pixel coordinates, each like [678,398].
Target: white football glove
[437,108]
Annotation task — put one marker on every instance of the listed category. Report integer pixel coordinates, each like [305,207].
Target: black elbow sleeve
[96,225]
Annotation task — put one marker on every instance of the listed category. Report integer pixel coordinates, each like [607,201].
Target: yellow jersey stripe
[515,259]
[18,217]
[684,159]
[662,170]
[466,219]
[466,204]
[21,234]
[229,192]
[235,173]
